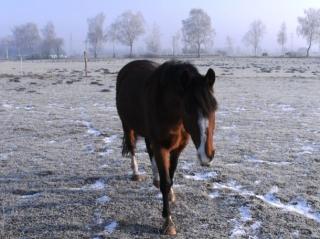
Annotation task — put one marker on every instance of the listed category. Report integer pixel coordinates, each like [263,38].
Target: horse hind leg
[128,148]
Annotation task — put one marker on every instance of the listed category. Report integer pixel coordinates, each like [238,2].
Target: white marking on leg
[134,165]
[172,196]
[203,124]
[155,170]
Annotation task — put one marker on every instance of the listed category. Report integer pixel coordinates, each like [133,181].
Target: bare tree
[5,45]
[113,37]
[197,31]
[96,36]
[48,37]
[282,36]
[26,38]
[255,34]
[130,26]
[309,26]
[51,44]
[175,42]
[229,43]
[58,47]
[153,40]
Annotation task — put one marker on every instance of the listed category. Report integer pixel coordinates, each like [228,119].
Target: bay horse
[166,104]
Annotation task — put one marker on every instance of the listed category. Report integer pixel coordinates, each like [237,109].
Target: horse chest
[175,140]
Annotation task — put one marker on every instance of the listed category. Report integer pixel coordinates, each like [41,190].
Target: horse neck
[165,109]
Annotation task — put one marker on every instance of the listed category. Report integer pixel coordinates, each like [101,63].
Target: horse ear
[184,81]
[210,77]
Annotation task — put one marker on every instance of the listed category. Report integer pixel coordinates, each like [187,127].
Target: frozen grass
[64,141]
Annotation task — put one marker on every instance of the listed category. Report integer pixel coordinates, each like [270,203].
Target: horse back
[131,94]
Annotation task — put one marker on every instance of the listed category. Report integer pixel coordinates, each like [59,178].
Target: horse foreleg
[156,181]
[155,172]
[163,163]
[173,166]
[174,155]
[154,167]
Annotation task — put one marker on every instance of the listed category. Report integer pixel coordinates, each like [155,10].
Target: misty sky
[229,17]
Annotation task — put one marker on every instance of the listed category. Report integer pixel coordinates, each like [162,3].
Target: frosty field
[62,174]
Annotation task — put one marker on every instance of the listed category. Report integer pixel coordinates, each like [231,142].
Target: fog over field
[229,19]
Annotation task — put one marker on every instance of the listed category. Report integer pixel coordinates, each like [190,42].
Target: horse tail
[126,146]
[128,142]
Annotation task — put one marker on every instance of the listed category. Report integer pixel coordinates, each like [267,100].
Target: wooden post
[7,53]
[21,65]
[85,63]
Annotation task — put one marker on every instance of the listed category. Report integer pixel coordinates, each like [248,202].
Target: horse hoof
[138,178]
[169,229]
[172,196]
[156,183]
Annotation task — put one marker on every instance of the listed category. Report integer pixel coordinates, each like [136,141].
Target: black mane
[199,93]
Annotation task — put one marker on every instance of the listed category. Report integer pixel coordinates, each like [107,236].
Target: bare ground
[62,174]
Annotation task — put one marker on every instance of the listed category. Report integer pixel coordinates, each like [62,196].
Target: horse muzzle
[205,159]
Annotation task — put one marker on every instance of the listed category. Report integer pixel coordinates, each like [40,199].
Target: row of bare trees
[125,29]
[196,34]
[308,28]
[256,32]
[27,40]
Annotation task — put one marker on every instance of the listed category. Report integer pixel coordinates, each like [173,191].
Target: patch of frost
[245,213]
[103,200]
[253,159]
[110,227]
[299,206]
[97,185]
[201,176]
[8,106]
[90,129]
[214,194]
[286,108]
[110,139]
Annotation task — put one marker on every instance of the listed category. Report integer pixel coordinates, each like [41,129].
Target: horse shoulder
[174,138]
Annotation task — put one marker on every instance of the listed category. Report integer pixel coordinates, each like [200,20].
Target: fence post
[21,73]
[7,53]
[85,63]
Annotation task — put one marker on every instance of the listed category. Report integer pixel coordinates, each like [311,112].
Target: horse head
[199,106]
